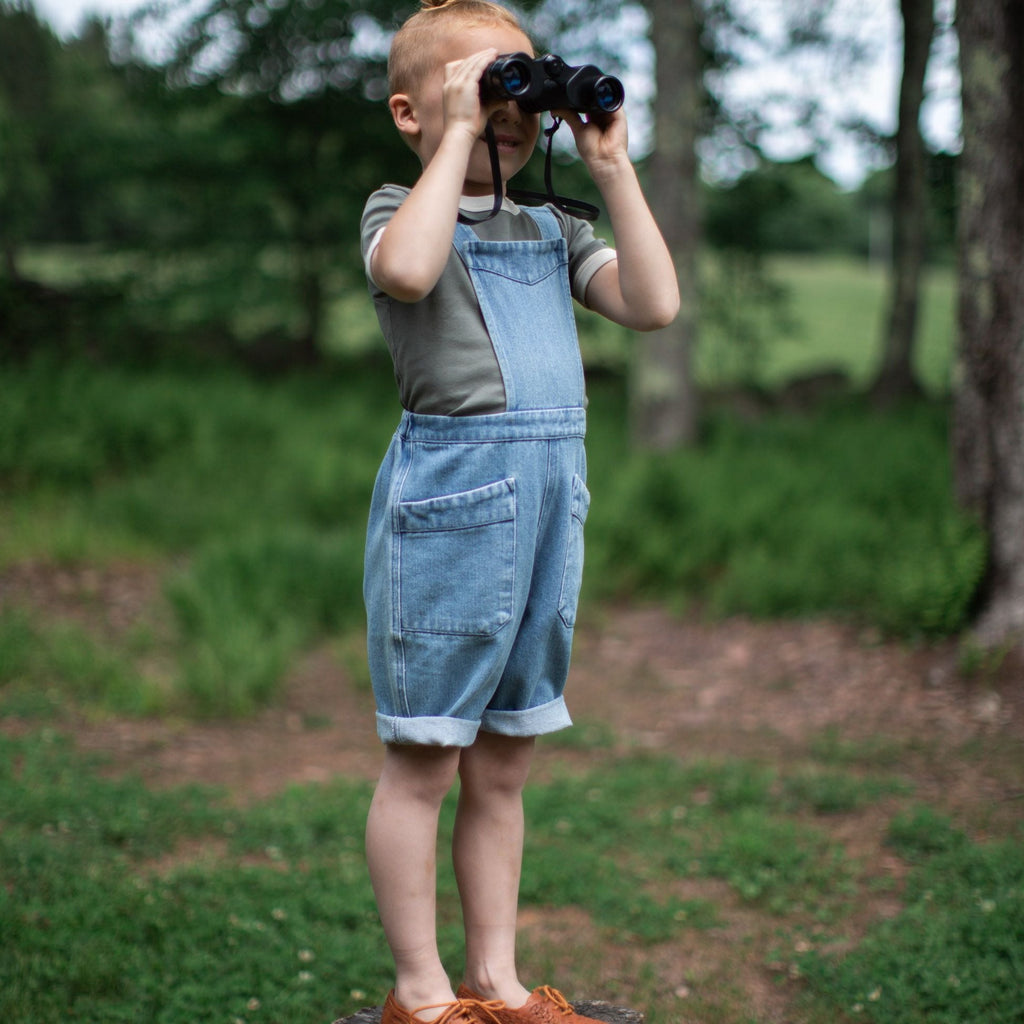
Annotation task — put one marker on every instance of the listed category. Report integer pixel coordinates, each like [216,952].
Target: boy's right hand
[463,108]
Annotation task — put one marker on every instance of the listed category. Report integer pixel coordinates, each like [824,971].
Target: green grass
[804,314]
[43,664]
[249,498]
[955,953]
[118,902]
[838,307]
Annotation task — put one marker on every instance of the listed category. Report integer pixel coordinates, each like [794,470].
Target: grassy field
[839,308]
[240,504]
[121,903]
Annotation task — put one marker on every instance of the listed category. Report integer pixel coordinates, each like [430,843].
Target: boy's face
[515,132]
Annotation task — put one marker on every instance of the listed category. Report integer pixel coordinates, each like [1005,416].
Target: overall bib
[474,550]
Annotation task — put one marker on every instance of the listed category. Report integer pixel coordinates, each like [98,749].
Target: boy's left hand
[601,139]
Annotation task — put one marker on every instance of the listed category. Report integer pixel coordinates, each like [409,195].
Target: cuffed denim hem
[536,721]
[426,731]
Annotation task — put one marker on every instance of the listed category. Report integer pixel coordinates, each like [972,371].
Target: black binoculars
[548,83]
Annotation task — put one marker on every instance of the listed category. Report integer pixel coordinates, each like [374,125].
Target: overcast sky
[872,95]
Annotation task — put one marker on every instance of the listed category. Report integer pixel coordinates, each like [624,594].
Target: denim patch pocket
[572,573]
[456,561]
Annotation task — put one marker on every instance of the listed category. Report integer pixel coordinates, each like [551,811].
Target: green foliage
[837,511]
[781,207]
[245,607]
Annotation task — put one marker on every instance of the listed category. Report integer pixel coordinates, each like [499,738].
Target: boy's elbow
[404,281]
[405,287]
[658,313]
[407,293]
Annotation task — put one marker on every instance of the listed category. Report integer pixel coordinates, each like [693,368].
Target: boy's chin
[478,190]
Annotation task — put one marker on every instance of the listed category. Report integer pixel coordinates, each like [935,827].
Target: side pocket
[572,572]
[455,561]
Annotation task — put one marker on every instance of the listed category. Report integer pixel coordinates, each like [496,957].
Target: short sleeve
[379,210]
[587,252]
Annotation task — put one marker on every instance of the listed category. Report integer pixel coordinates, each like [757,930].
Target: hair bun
[432,5]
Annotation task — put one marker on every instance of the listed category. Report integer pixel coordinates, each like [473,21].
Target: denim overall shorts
[474,551]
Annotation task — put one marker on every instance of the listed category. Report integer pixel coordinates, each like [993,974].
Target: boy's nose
[508,111]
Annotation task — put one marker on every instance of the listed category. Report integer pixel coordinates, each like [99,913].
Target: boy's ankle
[511,993]
[449,1011]
[411,998]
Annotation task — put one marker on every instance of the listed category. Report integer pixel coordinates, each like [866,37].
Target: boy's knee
[496,764]
[425,773]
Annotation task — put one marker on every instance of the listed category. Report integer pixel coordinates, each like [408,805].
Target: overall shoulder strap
[549,224]
[463,233]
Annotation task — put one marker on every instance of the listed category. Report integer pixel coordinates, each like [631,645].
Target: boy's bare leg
[487,853]
[401,851]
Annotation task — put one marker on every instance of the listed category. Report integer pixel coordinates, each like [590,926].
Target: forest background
[194,402]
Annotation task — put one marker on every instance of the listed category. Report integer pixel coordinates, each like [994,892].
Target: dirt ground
[642,679]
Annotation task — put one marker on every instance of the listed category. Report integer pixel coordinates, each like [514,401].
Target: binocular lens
[509,77]
[513,78]
[608,94]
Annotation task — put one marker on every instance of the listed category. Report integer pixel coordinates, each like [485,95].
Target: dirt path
[641,679]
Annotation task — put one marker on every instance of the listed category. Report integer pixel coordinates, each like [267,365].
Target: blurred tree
[278,133]
[65,153]
[663,395]
[787,206]
[27,52]
[895,378]
[988,432]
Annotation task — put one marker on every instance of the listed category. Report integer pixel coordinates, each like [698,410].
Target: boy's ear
[404,115]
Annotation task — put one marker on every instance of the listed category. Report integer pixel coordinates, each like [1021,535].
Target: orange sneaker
[462,1011]
[546,1005]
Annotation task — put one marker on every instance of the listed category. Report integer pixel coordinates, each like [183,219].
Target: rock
[596,1009]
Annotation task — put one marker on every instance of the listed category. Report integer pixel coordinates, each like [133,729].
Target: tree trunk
[663,400]
[896,378]
[988,426]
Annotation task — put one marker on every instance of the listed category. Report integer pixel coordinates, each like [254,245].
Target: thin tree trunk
[988,428]
[896,378]
[663,399]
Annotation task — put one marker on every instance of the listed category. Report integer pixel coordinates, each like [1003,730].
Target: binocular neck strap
[574,207]
[499,192]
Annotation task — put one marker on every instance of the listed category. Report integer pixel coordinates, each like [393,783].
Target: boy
[474,546]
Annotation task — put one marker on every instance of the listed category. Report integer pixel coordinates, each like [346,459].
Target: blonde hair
[412,50]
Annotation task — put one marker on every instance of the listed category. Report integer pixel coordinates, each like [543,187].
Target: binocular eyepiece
[548,83]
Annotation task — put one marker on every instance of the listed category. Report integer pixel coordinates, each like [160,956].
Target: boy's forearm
[415,246]
[648,292]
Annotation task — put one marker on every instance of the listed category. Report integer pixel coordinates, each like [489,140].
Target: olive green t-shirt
[445,364]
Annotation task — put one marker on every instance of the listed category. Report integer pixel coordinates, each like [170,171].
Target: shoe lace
[484,1010]
[556,997]
[454,1013]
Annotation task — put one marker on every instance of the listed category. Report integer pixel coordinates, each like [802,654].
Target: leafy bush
[844,511]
